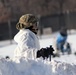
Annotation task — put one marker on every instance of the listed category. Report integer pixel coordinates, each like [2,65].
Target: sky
[63,65]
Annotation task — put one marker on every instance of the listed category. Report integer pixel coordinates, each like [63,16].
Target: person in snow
[26,38]
[61,39]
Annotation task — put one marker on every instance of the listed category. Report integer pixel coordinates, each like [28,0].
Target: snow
[63,65]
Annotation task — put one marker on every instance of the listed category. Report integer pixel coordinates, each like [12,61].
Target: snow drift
[35,67]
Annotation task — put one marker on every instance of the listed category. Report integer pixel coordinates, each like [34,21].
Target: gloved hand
[40,52]
[45,52]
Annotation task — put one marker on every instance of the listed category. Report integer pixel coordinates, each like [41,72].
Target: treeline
[13,9]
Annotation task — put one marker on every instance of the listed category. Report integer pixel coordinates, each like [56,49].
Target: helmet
[26,21]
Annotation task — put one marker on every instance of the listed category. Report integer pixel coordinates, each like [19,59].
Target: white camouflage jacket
[27,44]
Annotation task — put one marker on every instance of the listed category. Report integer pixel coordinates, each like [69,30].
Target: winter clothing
[61,39]
[45,52]
[28,44]
[60,42]
[26,21]
[26,38]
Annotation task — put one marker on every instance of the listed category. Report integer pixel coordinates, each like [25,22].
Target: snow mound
[35,67]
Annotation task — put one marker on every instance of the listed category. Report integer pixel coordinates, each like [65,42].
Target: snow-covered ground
[63,65]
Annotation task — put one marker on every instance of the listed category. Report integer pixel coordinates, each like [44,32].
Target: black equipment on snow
[45,52]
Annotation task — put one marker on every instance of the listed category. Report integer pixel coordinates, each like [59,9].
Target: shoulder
[21,35]
[59,35]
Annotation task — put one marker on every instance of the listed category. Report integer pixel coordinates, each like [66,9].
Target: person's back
[26,39]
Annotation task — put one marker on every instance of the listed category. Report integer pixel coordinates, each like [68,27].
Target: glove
[40,52]
[45,52]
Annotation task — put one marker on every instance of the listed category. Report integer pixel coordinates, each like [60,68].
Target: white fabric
[28,44]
